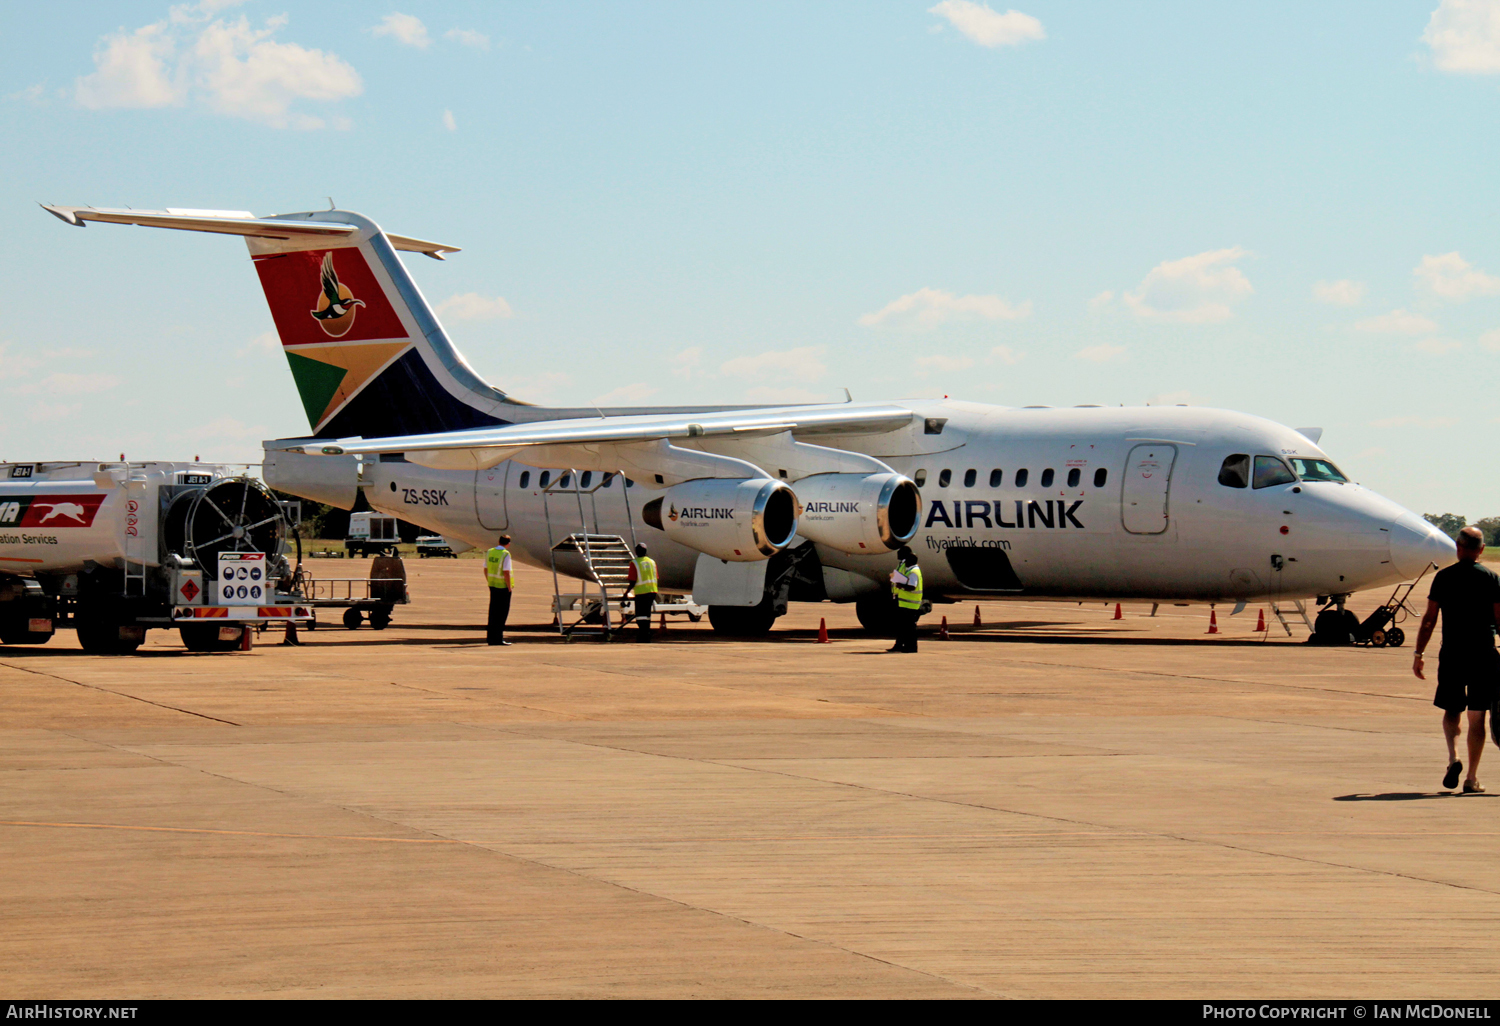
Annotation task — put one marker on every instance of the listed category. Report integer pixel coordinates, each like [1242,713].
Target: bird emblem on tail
[336,304]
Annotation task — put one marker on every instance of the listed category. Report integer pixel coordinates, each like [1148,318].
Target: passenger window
[921,478]
[525,478]
[1047,478]
[1021,476]
[995,478]
[970,476]
[1100,476]
[546,476]
[629,483]
[944,476]
[565,479]
[1073,476]
[609,479]
[1235,472]
[588,475]
[1271,471]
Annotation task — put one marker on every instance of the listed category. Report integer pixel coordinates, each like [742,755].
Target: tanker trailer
[114,549]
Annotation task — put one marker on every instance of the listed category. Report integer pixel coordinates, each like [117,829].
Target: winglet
[64,214]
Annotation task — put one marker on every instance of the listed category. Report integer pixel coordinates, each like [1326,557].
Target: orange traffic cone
[1213,622]
[664,621]
[245,639]
[822,631]
[291,634]
[1118,615]
[977,621]
[943,630]
[1260,621]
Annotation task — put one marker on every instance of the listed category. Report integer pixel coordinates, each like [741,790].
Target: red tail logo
[336,304]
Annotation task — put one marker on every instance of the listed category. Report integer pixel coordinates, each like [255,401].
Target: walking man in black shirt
[1468,596]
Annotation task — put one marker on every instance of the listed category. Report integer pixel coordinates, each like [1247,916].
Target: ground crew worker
[1468,596]
[906,589]
[643,579]
[497,576]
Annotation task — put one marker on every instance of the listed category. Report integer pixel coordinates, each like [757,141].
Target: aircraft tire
[877,614]
[742,621]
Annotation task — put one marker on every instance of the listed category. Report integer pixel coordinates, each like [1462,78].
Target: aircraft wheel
[742,621]
[353,618]
[1395,637]
[877,614]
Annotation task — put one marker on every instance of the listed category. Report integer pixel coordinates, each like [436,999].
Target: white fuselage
[1158,524]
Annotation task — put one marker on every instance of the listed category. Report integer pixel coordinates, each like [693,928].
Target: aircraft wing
[841,418]
[235,222]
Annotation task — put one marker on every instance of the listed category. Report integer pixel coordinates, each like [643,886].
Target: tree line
[1451,523]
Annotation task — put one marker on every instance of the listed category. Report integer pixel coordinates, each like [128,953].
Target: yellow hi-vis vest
[645,576]
[494,560]
[909,596]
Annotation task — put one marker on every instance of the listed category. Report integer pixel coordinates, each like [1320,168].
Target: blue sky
[1286,209]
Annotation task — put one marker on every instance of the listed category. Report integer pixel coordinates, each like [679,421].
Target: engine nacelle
[738,519]
[859,513]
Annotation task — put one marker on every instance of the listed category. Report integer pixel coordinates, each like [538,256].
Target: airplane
[751,507]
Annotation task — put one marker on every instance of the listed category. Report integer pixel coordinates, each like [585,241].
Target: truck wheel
[204,637]
[353,618]
[102,637]
[743,621]
[380,619]
[21,636]
[877,614]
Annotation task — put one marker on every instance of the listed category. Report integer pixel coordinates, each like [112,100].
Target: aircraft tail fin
[366,351]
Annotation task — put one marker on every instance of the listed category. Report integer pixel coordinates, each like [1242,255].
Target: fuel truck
[115,549]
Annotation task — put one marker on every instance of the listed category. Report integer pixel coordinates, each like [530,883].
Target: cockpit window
[1316,470]
[1271,471]
[1235,473]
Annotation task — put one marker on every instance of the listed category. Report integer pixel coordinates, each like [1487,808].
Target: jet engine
[859,513]
[736,519]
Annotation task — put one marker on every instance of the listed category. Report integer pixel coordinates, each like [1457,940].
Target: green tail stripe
[316,384]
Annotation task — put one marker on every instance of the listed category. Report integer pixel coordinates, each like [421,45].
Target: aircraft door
[1144,491]
[489,497]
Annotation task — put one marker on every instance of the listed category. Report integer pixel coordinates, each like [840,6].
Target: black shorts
[1471,682]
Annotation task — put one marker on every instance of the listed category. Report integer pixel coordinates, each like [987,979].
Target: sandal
[1473,787]
[1450,779]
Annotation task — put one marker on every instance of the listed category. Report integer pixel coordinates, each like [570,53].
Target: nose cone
[1415,543]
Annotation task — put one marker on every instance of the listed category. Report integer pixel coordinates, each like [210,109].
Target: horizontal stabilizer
[237,222]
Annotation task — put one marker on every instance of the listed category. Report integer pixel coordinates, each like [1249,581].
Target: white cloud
[227,66]
[926,308]
[802,363]
[1182,397]
[448,121]
[1339,293]
[987,27]
[1006,355]
[784,394]
[1198,289]
[404,29]
[131,71]
[1491,340]
[1453,277]
[688,363]
[1464,36]
[61,384]
[1414,421]
[471,306]
[468,37]
[1397,322]
[1102,353]
[942,364]
[31,94]
[626,395]
[1102,300]
[1438,346]
[265,342]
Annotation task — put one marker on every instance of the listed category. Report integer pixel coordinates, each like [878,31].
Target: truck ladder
[136,515]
